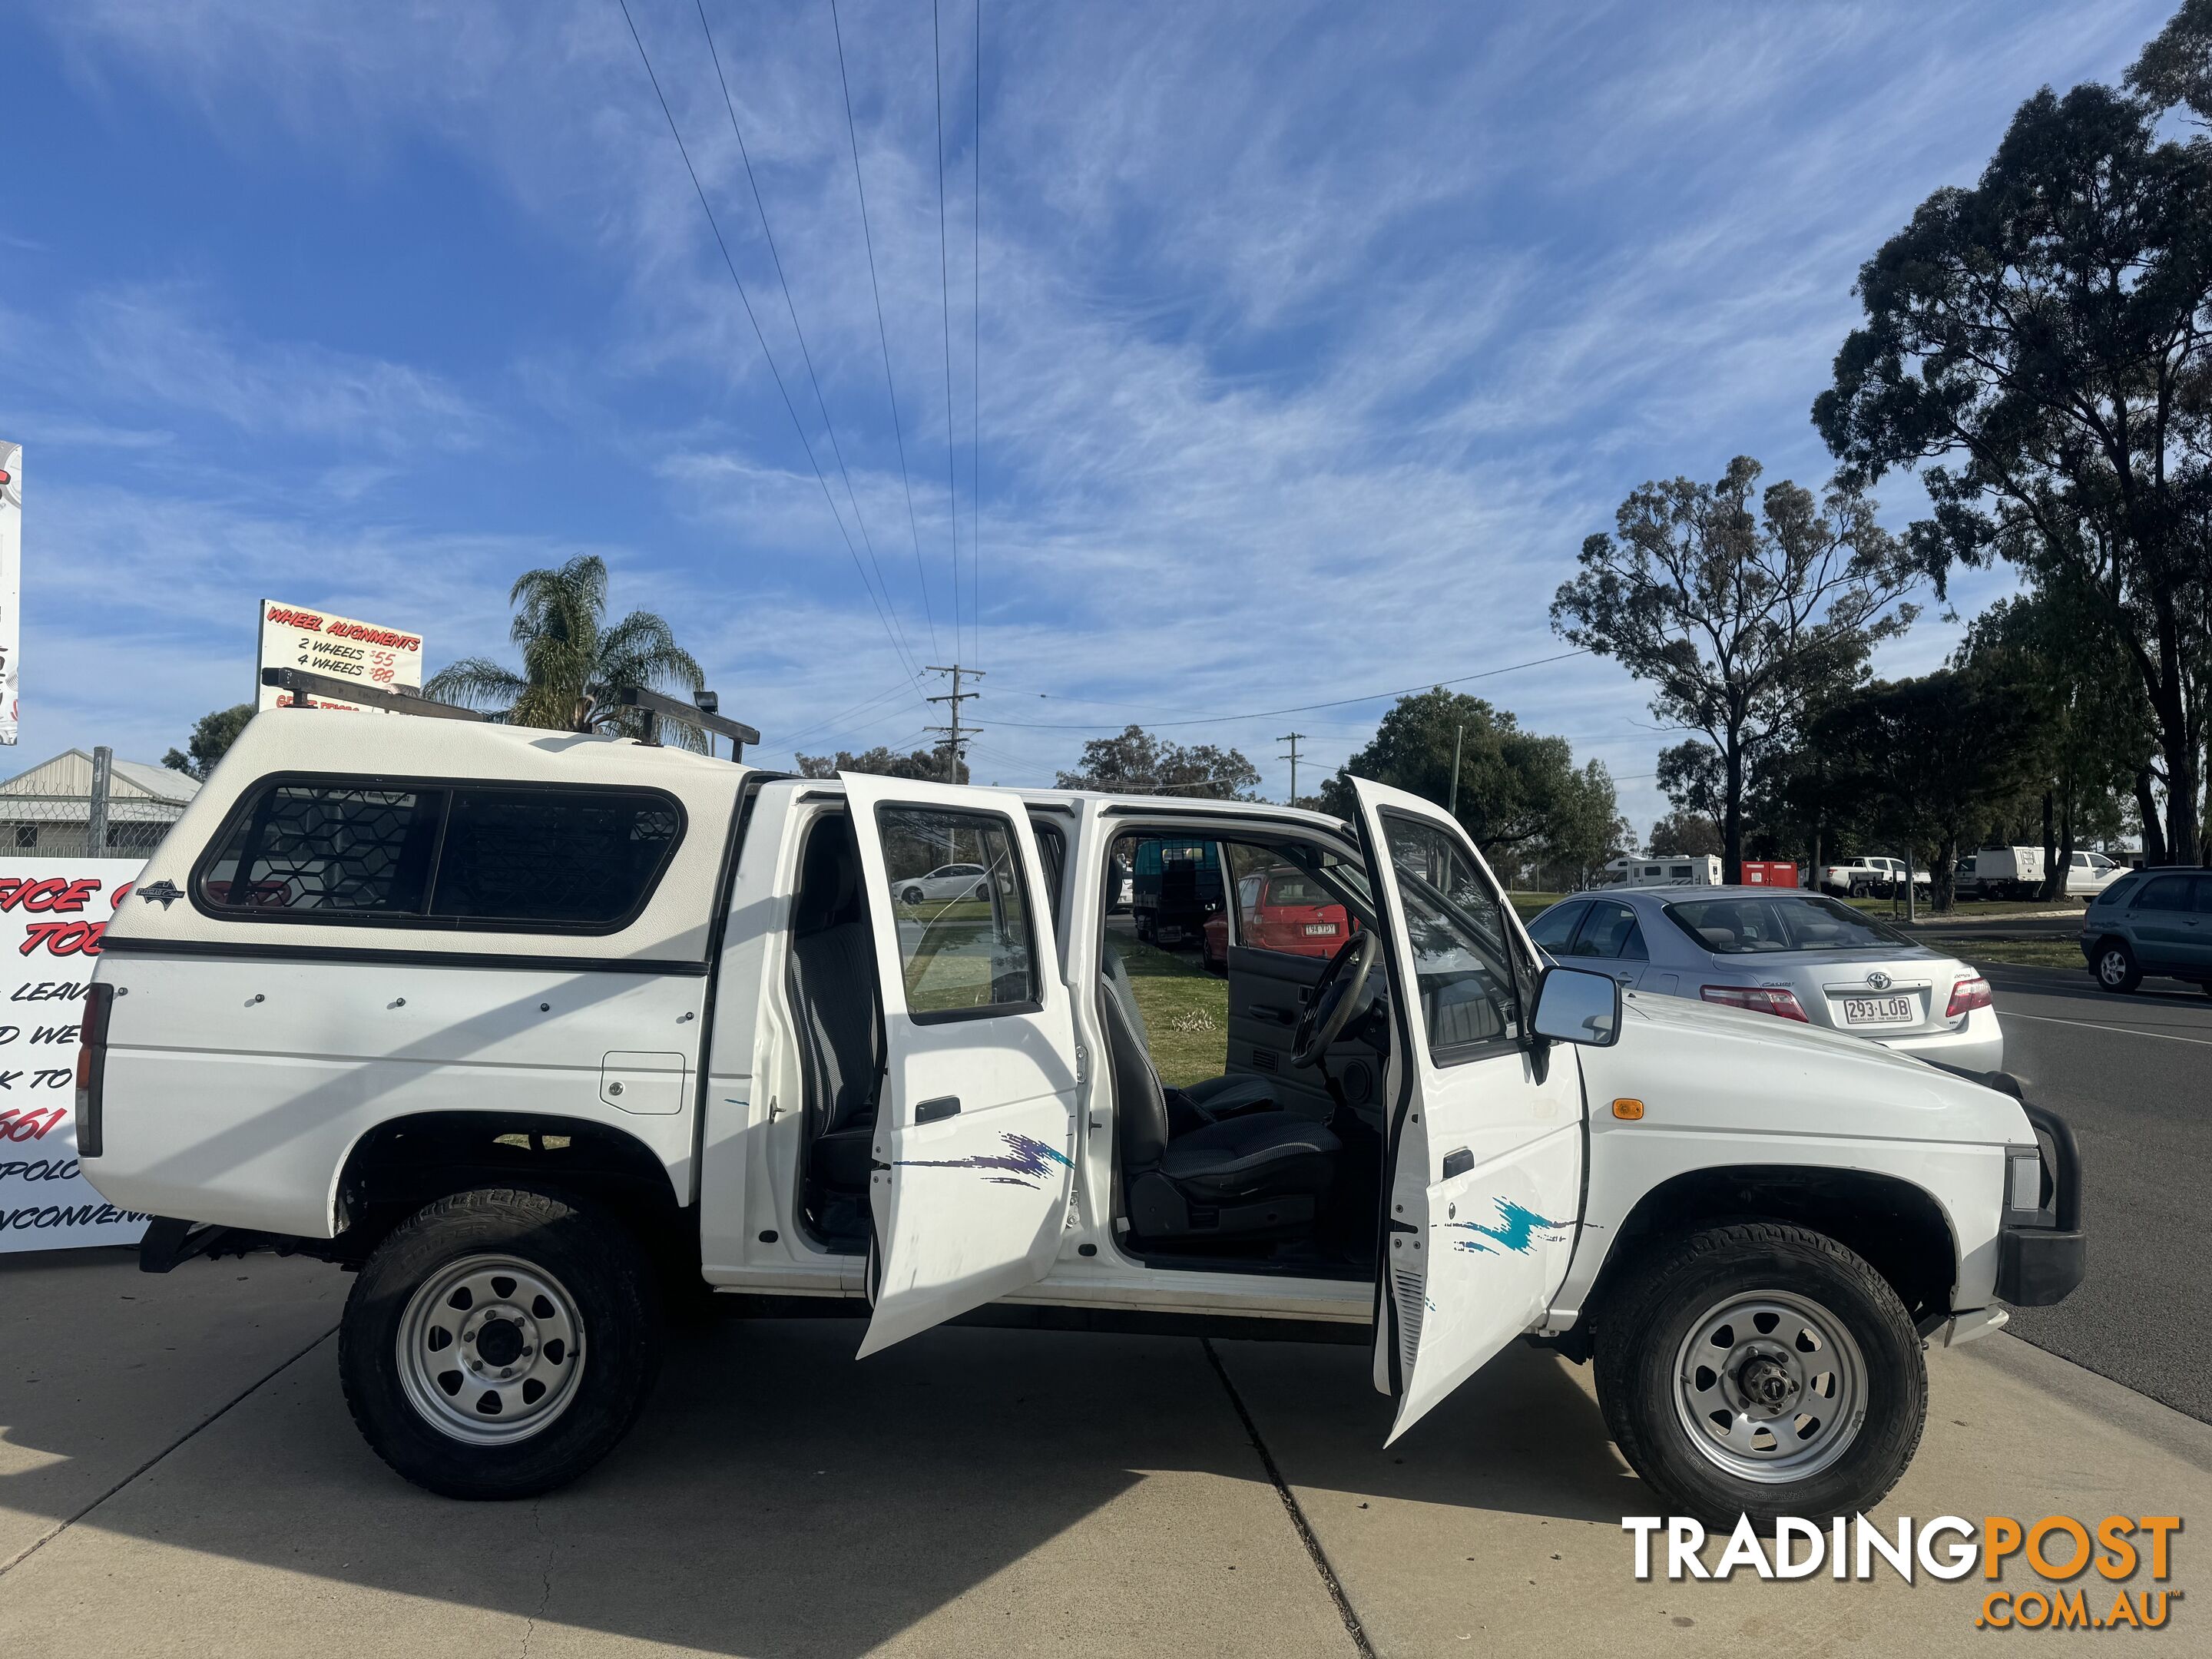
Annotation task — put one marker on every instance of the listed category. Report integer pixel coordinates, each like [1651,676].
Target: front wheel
[2116,967]
[1761,1370]
[498,1343]
[912,896]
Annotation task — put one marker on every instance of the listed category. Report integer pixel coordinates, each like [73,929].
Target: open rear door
[975,1129]
[1484,1182]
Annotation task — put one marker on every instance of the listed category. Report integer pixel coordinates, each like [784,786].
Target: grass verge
[1186,1008]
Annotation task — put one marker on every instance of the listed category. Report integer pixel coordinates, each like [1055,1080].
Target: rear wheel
[2116,967]
[498,1343]
[1763,1370]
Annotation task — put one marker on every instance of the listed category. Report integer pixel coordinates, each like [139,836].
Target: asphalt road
[2133,1075]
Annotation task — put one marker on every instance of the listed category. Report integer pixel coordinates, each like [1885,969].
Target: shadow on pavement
[778,1497]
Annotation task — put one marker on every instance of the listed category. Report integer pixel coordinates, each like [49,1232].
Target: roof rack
[303,685]
[704,714]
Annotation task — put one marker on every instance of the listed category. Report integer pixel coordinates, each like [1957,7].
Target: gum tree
[2039,348]
[1741,619]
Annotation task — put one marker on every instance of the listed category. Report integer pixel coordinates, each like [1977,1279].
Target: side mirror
[1573,1006]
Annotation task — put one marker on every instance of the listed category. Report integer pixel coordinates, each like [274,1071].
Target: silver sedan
[1781,952]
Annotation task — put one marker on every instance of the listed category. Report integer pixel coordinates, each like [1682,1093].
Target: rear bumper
[1977,1045]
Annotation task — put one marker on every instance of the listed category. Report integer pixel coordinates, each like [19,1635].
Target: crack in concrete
[1315,1553]
[545,1589]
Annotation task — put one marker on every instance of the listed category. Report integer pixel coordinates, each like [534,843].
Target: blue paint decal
[1025,1162]
[1517,1231]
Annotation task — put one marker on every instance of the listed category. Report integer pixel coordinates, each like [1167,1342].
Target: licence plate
[1313,928]
[1878,1010]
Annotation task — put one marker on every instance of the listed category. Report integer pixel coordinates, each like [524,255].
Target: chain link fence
[77,805]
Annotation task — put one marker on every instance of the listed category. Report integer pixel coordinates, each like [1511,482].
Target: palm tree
[571,664]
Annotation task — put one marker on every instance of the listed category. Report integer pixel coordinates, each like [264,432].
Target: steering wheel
[1337,995]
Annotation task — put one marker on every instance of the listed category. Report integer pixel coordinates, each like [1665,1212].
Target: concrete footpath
[179,1475]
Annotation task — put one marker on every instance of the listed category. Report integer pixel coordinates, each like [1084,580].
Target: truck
[1872,876]
[532,1032]
[1175,890]
[1673,870]
[2004,872]
[2018,873]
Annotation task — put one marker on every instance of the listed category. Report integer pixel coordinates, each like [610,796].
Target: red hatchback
[1280,909]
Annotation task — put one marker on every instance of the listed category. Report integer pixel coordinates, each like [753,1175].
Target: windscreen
[1753,926]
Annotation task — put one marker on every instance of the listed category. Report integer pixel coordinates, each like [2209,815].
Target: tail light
[1759,999]
[1968,994]
[92,1067]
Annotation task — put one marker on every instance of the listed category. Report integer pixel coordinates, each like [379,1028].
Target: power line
[790,305]
[831,722]
[883,334]
[944,291]
[1299,708]
[745,299]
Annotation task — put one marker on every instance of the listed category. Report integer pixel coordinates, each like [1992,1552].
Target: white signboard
[11,580]
[52,912]
[293,636]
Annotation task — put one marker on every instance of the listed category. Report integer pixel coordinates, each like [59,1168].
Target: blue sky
[1313,339]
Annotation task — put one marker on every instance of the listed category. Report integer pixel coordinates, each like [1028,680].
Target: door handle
[934,1111]
[1458,1163]
[1272,1014]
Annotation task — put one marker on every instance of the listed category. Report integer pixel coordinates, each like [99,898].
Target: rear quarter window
[573,860]
[2118,889]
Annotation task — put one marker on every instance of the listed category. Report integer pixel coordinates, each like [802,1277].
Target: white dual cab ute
[535,1030]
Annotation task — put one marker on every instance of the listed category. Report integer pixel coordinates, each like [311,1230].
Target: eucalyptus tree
[2039,348]
[1741,620]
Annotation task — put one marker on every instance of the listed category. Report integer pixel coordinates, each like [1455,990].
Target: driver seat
[1255,1175]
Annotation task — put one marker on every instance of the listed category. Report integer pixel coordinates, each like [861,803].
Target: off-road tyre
[1649,1316]
[601,1268]
[2115,968]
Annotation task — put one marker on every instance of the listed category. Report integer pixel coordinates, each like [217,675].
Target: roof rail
[303,684]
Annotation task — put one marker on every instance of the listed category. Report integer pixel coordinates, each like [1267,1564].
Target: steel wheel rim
[490,1328]
[1770,1386]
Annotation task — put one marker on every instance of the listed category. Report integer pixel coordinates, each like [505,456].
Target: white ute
[533,1029]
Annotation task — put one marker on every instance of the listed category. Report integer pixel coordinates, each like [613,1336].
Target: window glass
[2165,893]
[327,848]
[1556,927]
[580,858]
[554,860]
[2204,894]
[1052,852]
[1462,958]
[1611,932]
[961,956]
[2117,890]
[1749,927]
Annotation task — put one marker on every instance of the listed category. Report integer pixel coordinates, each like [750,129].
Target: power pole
[1293,740]
[954,734]
[1451,806]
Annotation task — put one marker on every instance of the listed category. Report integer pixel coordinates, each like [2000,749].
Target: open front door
[975,1128]
[1484,1182]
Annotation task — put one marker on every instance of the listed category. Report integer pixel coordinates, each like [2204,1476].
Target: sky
[1190,362]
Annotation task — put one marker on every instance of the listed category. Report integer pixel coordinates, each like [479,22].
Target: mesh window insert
[563,857]
[310,846]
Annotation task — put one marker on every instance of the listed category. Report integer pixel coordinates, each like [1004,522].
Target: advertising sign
[52,912]
[294,636]
[11,580]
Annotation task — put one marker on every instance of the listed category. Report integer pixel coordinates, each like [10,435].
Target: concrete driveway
[179,1475]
